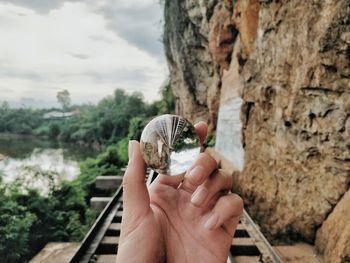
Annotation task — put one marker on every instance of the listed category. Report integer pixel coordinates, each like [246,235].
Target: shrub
[54,130]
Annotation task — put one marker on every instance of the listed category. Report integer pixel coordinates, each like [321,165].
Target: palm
[182,225]
[188,218]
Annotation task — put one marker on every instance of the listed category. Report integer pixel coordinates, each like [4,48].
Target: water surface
[39,163]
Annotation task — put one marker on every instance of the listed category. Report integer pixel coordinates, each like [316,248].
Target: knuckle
[226,177]
[196,176]
[126,178]
[239,204]
[208,160]
[125,182]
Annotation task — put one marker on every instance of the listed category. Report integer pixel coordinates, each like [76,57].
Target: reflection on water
[46,159]
[39,164]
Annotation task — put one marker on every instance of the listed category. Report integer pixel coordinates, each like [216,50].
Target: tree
[63,98]
[4,106]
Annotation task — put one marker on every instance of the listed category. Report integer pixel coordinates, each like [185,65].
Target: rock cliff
[193,71]
[286,64]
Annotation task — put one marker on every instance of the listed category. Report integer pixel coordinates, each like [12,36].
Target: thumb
[135,194]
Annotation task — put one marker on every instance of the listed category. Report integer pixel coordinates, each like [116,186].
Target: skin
[185,218]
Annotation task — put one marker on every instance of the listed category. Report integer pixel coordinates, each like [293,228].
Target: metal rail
[268,253]
[93,238]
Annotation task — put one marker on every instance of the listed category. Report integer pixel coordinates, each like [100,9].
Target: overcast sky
[89,47]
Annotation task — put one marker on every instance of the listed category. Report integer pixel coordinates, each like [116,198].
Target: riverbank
[93,145]
[21,136]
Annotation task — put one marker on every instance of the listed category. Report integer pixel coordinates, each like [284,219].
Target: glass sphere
[169,144]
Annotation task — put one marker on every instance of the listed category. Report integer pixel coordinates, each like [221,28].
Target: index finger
[174,181]
[203,167]
[201,130]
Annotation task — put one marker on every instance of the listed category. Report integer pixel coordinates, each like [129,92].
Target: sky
[89,47]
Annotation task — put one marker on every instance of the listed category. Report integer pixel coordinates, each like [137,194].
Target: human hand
[187,218]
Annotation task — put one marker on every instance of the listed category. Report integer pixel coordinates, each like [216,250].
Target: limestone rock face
[190,33]
[289,67]
[333,238]
[295,116]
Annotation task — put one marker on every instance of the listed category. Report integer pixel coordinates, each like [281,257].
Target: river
[38,163]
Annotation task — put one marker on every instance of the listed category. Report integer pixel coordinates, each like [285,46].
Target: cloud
[18,73]
[40,6]
[79,56]
[5,90]
[72,46]
[139,22]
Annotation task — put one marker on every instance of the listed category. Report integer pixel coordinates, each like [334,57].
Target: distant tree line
[104,123]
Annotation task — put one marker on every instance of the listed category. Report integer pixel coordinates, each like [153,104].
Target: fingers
[135,193]
[201,129]
[225,213]
[175,181]
[199,172]
[216,183]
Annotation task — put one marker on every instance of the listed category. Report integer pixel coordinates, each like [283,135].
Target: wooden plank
[110,240]
[108,182]
[119,213]
[240,227]
[261,243]
[243,241]
[99,203]
[246,259]
[113,229]
[90,244]
[55,252]
[106,258]
[115,226]
[244,247]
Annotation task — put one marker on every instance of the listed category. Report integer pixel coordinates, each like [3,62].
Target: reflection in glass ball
[169,144]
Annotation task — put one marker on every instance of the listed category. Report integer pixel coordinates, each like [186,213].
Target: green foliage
[107,163]
[19,121]
[210,140]
[136,127]
[54,130]
[28,220]
[42,130]
[122,150]
[167,103]
[15,223]
[103,124]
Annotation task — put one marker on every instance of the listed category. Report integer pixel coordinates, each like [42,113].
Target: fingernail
[130,150]
[197,171]
[212,221]
[199,196]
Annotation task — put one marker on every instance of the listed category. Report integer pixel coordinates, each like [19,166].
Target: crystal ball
[169,144]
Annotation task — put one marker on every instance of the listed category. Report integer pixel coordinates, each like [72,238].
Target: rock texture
[296,116]
[333,238]
[290,66]
[195,74]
